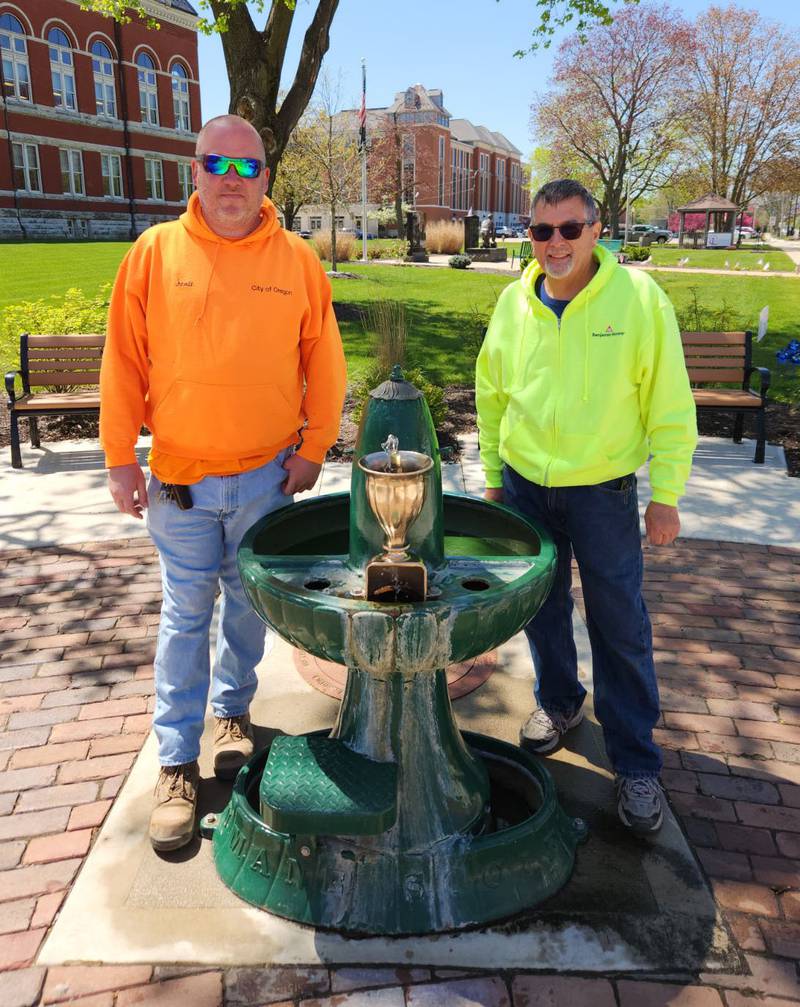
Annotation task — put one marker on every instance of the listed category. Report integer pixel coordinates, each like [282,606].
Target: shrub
[374,252]
[397,249]
[444,237]
[696,316]
[459,262]
[345,246]
[57,316]
[636,253]
[386,321]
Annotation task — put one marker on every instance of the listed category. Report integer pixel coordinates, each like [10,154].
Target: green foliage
[697,314]
[386,321]
[636,253]
[524,261]
[74,312]
[459,262]
[556,14]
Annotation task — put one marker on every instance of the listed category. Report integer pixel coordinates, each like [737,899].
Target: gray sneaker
[543,731]
[639,803]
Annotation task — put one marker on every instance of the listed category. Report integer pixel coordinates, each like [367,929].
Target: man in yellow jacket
[222,340]
[581,377]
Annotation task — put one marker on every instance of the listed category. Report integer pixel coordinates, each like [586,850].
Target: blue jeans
[600,524]
[197,550]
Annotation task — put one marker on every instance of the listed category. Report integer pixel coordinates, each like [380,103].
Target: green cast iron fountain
[395,822]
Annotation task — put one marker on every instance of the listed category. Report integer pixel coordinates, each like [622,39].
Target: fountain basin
[298,575]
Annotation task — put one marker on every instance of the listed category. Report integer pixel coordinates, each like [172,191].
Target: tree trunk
[333,237]
[254,61]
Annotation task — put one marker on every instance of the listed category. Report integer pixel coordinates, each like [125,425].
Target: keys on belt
[177,494]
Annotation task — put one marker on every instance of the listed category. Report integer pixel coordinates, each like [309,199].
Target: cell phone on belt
[182,496]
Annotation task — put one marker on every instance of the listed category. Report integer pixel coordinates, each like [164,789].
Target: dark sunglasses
[245,167]
[571,230]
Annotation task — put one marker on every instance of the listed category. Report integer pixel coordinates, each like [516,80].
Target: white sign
[718,240]
[763,318]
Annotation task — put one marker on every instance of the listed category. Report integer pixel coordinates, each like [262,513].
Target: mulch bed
[783,427]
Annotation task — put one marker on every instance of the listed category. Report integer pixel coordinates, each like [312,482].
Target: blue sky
[464,47]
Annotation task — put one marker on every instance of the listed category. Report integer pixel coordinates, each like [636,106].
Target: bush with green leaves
[74,312]
[704,316]
[636,253]
[459,262]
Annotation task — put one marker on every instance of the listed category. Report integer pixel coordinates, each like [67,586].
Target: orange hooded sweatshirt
[228,350]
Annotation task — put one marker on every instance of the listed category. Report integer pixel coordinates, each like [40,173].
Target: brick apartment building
[449,166]
[98,119]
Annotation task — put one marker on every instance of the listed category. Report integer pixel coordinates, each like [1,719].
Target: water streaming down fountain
[394,821]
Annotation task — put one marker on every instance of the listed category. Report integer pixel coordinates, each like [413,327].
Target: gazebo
[708,204]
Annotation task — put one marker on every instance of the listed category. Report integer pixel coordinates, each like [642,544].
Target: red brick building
[98,119]
[449,166]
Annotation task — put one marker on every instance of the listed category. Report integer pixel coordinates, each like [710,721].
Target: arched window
[62,70]
[180,97]
[105,95]
[14,50]
[148,89]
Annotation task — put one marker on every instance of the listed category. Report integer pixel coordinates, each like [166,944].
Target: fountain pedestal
[395,821]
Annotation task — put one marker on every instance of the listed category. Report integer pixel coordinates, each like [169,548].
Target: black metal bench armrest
[10,379]
[766,377]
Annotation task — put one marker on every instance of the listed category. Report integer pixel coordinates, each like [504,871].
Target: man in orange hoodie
[222,340]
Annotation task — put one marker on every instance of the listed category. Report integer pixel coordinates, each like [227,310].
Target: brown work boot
[172,820]
[233,745]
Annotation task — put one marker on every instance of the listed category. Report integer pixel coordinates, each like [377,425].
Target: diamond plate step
[319,786]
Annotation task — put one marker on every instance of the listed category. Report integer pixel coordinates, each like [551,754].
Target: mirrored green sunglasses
[245,167]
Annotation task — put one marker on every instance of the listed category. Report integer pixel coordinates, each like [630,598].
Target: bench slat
[714,351]
[59,353]
[70,341]
[713,338]
[64,377]
[708,362]
[57,401]
[709,374]
[727,398]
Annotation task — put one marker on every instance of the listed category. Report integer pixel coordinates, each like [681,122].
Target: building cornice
[162,13]
[98,148]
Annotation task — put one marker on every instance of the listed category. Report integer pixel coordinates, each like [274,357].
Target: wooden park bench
[60,377]
[726,358]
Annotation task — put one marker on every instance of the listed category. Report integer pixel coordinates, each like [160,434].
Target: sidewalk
[78,623]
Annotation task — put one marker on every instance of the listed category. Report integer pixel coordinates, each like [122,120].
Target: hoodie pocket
[223,421]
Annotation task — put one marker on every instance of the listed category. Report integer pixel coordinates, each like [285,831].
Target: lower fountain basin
[524,855]
[496,572]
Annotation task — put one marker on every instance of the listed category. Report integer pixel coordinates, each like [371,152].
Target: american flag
[362,112]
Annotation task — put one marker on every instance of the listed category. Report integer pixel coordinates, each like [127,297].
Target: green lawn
[445,306]
[31,271]
[715,258]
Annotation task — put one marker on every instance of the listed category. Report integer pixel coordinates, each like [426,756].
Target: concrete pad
[630,905]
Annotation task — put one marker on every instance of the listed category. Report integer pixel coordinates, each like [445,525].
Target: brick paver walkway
[77,631]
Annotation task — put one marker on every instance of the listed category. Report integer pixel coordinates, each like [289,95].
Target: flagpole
[363,136]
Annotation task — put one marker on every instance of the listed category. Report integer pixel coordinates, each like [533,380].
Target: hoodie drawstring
[587,343]
[208,285]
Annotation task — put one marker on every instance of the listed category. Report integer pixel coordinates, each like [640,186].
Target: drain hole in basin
[475,584]
[317,584]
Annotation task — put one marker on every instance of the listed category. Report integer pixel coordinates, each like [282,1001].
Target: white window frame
[148,90]
[72,180]
[14,53]
[180,98]
[112,179]
[26,159]
[62,72]
[154,179]
[501,185]
[484,181]
[185,180]
[105,85]
[440,187]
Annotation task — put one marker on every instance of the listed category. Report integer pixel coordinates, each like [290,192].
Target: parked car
[501,231]
[747,233]
[661,235]
[304,234]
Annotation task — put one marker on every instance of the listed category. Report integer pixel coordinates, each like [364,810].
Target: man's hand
[302,474]
[662,523]
[128,488]
[495,494]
